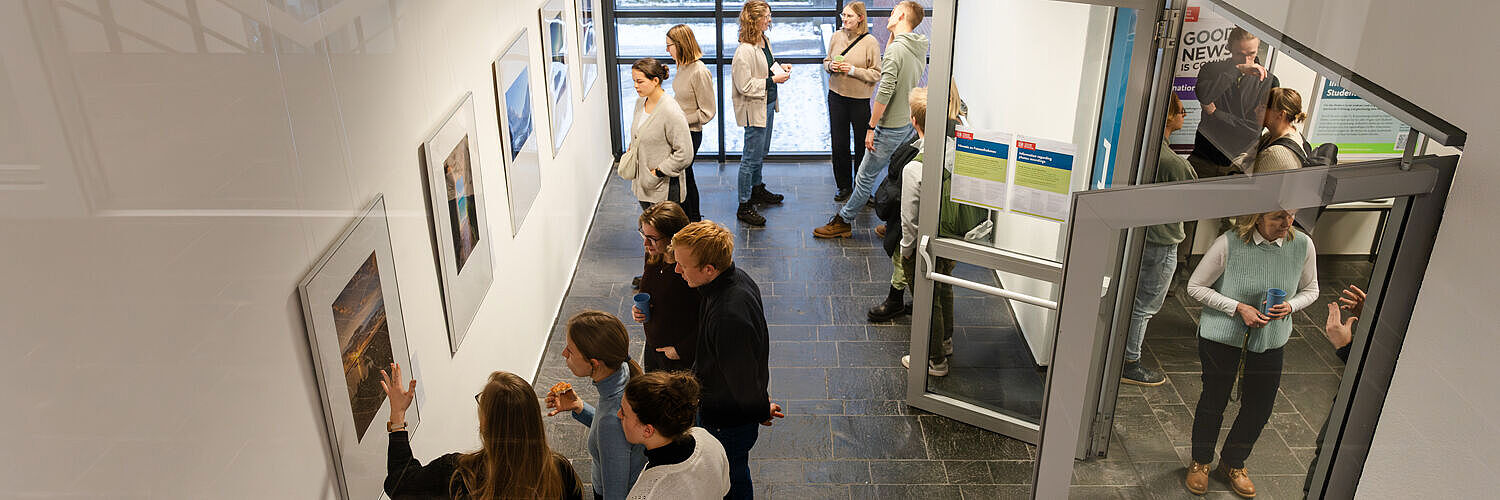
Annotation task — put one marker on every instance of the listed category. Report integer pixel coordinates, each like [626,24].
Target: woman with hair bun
[682,461]
[1283,113]
[660,138]
[599,348]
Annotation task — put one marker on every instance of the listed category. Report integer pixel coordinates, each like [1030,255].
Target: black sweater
[733,352]
[1235,124]
[674,318]
[406,478]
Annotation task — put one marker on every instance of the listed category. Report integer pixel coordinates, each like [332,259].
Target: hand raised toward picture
[391,382]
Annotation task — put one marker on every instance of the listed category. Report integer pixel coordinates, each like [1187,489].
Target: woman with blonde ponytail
[599,348]
[1283,113]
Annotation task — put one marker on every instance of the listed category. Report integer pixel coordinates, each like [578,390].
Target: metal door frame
[1143,71]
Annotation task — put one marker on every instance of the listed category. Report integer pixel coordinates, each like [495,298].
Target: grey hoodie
[900,69]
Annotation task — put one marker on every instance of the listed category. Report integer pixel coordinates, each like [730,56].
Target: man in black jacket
[1233,94]
[733,346]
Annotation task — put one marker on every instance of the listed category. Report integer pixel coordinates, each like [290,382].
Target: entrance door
[1053,94]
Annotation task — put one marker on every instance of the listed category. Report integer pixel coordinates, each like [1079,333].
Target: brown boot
[1239,480]
[880,230]
[1197,478]
[836,228]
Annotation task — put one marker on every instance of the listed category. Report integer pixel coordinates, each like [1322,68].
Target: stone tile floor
[848,432]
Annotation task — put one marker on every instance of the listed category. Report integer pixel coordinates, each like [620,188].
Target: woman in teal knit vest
[1237,341]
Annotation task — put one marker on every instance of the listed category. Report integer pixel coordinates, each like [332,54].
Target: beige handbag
[627,167]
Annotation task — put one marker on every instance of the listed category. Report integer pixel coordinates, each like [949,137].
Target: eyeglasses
[654,240]
[476,397]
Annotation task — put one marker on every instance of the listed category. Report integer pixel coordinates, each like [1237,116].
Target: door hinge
[1168,29]
[1100,440]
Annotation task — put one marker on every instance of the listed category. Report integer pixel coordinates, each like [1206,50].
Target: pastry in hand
[561,388]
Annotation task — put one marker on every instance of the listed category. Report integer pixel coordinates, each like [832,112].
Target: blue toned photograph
[518,112]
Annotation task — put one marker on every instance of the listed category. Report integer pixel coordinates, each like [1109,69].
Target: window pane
[801,125]
[627,110]
[887,4]
[734,7]
[664,5]
[647,37]
[790,37]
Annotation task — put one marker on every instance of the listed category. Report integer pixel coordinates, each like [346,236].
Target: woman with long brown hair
[671,318]
[513,461]
[599,348]
[755,75]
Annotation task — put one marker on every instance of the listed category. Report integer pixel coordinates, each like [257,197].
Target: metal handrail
[978,287]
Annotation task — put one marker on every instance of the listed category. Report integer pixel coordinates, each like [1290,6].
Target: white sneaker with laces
[933,369]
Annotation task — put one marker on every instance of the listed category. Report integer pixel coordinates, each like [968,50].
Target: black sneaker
[748,215]
[843,195]
[759,194]
[1135,373]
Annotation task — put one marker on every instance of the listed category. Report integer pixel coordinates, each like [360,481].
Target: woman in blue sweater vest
[1239,343]
[599,348]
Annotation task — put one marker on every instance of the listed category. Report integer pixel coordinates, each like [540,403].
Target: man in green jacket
[901,69]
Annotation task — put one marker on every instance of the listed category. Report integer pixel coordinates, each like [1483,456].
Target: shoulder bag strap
[853,43]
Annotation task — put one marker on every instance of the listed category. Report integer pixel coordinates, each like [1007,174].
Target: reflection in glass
[1268,390]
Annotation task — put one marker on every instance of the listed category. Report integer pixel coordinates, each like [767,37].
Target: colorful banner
[981,168]
[1355,125]
[1205,39]
[1043,178]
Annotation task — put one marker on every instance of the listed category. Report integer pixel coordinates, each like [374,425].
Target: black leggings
[1261,380]
[690,201]
[845,113]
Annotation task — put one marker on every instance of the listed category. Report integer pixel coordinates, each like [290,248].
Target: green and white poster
[1043,177]
[981,168]
[1355,125]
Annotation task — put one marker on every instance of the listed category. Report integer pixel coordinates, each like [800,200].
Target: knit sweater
[704,474]
[616,461]
[1249,270]
[733,352]
[694,91]
[864,59]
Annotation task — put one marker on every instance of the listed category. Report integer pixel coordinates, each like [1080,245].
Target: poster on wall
[523,170]
[1355,125]
[1043,177]
[352,308]
[981,166]
[1205,39]
[555,47]
[588,45]
[456,211]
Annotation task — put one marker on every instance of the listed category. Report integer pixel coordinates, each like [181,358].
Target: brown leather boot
[1197,478]
[1239,480]
[836,228]
[880,230]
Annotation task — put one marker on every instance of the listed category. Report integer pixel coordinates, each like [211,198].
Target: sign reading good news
[1043,174]
[1355,125]
[1205,39]
[981,168]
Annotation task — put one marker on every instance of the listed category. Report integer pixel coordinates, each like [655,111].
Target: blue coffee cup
[643,302]
[1274,296]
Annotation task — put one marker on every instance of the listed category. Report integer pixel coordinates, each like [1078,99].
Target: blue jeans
[737,442]
[875,162]
[753,155]
[1158,262]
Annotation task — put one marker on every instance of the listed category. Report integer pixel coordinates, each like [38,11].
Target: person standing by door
[733,346]
[1238,344]
[755,74]
[694,90]
[1158,259]
[853,65]
[901,69]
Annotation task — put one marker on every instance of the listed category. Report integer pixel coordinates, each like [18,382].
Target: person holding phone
[1240,339]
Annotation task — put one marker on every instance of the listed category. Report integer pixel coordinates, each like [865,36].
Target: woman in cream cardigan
[659,135]
[755,106]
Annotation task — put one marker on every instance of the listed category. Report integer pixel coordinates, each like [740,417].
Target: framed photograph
[460,227]
[588,46]
[555,48]
[523,169]
[352,308]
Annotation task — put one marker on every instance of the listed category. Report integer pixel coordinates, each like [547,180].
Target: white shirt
[704,475]
[1200,285]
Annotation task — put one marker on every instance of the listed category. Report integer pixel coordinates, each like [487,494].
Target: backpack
[888,195]
[956,219]
[1325,155]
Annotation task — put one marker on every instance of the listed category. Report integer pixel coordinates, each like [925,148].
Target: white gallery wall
[170,170]
[1440,419]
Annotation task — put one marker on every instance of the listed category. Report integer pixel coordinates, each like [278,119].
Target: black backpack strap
[1288,143]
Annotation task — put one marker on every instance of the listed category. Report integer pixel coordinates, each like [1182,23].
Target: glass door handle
[978,287]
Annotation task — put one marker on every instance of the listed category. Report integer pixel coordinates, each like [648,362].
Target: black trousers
[845,114]
[690,200]
[1261,380]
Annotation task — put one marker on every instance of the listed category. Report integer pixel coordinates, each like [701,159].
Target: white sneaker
[947,347]
[933,369]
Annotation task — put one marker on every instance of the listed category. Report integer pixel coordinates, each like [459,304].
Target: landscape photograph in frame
[523,169]
[351,305]
[588,46]
[453,180]
[555,47]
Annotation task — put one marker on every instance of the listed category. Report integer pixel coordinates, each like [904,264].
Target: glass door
[1053,96]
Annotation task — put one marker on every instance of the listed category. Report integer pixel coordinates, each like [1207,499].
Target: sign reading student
[1355,125]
